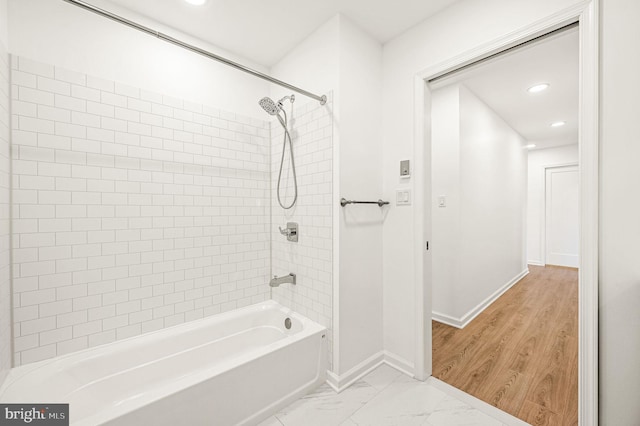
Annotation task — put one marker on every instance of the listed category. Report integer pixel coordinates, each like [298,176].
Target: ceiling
[502,84]
[264,31]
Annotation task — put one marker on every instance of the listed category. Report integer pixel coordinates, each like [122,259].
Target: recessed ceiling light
[531,146]
[538,88]
[558,124]
[196,2]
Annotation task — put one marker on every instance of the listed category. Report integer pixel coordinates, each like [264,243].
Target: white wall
[313,64]
[361,114]
[479,165]
[493,186]
[64,35]
[619,339]
[538,160]
[445,175]
[4,24]
[5,211]
[455,30]
[341,58]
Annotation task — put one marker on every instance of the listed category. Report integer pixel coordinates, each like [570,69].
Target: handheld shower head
[269,106]
[272,107]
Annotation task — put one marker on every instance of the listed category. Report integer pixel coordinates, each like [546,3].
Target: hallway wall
[479,165]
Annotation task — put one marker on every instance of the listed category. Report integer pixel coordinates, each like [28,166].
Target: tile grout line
[377,393]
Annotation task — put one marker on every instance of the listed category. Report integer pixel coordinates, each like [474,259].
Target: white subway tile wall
[133,211]
[311,128]
[5,217]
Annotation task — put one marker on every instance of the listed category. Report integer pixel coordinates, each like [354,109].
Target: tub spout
[276,281]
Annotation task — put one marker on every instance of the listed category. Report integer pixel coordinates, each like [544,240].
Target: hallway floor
[387,397]
[521,353]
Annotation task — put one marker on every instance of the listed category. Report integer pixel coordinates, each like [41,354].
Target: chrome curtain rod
[104,13]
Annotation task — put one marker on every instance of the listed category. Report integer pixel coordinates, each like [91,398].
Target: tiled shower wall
[311,257]
[5,179]
[133,211]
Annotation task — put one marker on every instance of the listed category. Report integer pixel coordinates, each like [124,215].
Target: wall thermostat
[405,169]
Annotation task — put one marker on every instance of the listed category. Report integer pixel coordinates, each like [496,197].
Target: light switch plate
[403,197]
[442,201]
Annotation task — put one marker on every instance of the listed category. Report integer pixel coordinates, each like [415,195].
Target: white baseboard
[535,263]
[340,382]
[446,319]
[399,363]
[343,381]
[469,316]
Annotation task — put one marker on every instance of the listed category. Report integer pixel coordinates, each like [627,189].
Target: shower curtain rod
[104,13]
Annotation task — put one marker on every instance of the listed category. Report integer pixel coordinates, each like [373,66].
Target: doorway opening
[427,201]
[502,331]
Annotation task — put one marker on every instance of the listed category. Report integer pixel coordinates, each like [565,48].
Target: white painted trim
[399,363]
[332,381]
[589,216]
[477,310]
[340,382]
[446,319]
[586,13]
[479,405]
[343,381]
[422,228]
[335,223]
[535,263]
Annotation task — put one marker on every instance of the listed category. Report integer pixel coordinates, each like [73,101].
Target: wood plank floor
[521,353]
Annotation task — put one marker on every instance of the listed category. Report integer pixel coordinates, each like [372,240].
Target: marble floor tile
[403,402]
[384,397]
[324,407]
[453,412]
[382,376]
[271,421]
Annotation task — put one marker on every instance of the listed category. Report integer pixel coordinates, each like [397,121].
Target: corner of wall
[6,327]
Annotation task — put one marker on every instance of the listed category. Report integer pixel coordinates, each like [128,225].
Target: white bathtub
[235,368]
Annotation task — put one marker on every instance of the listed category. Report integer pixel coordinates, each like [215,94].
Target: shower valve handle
[287,231]
[291,231]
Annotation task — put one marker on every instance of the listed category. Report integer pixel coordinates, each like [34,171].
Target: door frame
[545,212]
[586,13]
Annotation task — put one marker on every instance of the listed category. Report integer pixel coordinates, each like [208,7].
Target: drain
[287,323]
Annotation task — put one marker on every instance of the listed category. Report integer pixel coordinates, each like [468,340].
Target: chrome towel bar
[344,202]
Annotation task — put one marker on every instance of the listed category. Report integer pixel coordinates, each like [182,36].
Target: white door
[562,216]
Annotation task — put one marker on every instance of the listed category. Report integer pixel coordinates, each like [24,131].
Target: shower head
[269,106]
[272,107]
